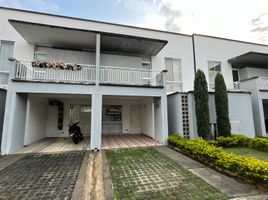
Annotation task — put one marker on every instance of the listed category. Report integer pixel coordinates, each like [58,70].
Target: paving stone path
[41,176]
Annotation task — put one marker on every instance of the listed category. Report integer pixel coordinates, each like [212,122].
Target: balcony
[253,83]
[86,74]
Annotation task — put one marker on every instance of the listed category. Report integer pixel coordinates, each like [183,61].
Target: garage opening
[128,122]
[48,117]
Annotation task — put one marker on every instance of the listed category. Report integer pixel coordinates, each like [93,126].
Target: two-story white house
[117,79]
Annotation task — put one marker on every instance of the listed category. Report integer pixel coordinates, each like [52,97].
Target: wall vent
[185,116]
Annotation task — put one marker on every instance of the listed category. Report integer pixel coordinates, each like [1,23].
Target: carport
[47,120]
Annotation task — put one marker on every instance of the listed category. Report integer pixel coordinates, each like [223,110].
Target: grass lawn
[245,151]
[147,174]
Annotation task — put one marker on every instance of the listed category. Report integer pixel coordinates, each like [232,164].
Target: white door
[135,119]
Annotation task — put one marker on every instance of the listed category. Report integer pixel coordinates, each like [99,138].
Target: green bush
[221,105]
[241,141]
[246,167]
[233,141]
[201,104]
[259,144]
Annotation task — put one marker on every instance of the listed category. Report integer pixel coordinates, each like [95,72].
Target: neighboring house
[126,73]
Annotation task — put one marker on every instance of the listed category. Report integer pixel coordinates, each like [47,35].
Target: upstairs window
[6,51]
[173,75]
[214,67]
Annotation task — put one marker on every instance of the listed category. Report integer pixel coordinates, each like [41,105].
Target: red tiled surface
[127,141]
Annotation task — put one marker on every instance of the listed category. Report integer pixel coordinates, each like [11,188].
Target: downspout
[194,54]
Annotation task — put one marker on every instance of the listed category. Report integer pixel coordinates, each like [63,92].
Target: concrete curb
[79,185]
[107,181]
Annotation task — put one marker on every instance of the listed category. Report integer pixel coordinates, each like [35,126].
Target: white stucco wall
[174,114]
[36,118]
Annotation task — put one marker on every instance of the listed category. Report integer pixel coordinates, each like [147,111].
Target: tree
[201,104]
[221,104]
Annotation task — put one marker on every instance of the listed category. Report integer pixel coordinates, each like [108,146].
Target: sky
[245,20]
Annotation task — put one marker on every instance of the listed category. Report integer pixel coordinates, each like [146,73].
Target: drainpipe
[194,54]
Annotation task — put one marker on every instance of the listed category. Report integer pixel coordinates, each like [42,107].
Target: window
[173,75]
[214,67]
[40,56]
[6,51]
[235,75]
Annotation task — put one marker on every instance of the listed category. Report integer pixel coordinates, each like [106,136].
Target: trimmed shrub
[260,144]
[221,104]
[201,104]
[233,141]
[246,167]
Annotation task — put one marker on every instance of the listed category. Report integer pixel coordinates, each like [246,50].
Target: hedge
[245,167]
[242,141]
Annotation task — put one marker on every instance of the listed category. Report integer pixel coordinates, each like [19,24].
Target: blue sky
[237,19]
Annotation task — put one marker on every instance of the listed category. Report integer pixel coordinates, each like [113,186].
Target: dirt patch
[94,187]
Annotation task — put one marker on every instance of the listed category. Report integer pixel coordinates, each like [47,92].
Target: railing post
[12,72]
[98,59]
[164,77]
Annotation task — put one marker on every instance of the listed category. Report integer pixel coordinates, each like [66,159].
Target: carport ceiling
[250,59]
[72,38]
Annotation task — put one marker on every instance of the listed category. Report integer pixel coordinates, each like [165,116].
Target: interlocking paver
[148,174]
[41,176]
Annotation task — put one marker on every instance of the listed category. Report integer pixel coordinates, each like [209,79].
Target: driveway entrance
[41,176]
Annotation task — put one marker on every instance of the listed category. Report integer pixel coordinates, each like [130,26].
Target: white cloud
[260,27]
[37,5]
[229,18]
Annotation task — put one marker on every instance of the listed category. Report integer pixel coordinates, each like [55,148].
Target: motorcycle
[75,133]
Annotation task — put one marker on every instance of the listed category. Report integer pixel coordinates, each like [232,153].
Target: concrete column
[96,121]
[164,119]
[160,119]
[98,59]
[14,122]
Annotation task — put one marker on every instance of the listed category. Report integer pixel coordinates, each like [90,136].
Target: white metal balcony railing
[25,71]
[87,74]
[263,83]
[130,76]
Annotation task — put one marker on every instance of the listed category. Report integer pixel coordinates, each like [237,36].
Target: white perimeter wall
[240,109]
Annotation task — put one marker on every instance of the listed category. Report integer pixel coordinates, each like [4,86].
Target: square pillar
[98,59]
[14,122]
[96,121]
[160,119]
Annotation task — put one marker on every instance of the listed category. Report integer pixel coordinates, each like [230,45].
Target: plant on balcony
[221,104]
[201,104]
[56,65]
